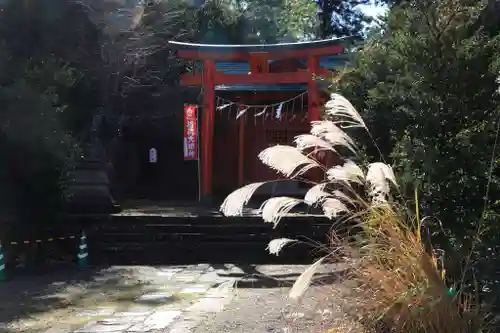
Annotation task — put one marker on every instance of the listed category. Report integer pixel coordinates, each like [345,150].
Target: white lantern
[153,155]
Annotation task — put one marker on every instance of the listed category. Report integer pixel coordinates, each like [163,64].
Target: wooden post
[312,91]
[207,130]
[241,150]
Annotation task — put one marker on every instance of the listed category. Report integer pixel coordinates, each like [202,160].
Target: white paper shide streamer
[278,111]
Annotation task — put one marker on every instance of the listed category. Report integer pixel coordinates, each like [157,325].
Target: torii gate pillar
[207,130]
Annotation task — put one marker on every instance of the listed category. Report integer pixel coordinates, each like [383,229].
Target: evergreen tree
[427,87]
[341,18]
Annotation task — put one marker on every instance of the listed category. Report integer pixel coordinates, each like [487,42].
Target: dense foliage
[347,19]
[427,87]
[41,73]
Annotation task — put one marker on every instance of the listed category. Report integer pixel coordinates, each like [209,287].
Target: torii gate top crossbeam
[299,50]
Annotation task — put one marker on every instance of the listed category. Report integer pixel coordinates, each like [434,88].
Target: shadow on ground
[64,296]
[250,276]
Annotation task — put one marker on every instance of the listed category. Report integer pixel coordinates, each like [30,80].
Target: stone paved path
[174,299]
[168,299]
[198,289]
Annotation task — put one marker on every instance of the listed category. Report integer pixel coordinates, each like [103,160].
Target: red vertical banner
[190,133]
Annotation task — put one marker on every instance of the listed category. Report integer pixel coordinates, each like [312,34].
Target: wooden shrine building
[254,96]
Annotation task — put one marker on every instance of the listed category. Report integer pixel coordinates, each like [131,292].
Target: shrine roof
[337,62]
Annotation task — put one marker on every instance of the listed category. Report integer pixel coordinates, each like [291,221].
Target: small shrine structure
[254,96]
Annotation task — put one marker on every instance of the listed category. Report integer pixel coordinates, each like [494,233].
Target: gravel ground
[261,310]
[269,310]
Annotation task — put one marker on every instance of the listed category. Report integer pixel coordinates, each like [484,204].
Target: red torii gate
[258,57]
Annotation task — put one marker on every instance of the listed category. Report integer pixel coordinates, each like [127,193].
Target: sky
[373,10]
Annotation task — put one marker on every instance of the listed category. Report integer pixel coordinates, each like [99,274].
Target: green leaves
[427,90]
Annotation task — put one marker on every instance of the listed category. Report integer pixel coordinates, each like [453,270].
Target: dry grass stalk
[395,280]
[400,283]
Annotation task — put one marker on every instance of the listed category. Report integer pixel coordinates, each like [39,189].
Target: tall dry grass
[398,282]
[395,279]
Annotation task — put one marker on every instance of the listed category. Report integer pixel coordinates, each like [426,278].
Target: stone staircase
[149,239]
